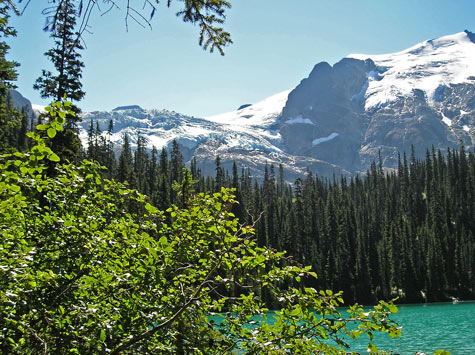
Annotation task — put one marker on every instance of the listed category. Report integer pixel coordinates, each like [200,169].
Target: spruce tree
[176,168]
[220,175]
[10,118]
[66,82]
[125,168]
[91,146]
[110,156]
[163,196]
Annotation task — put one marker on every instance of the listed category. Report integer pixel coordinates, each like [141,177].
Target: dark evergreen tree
[22,142]
[66,82]
[152,173]
[10,118]
[141,162]
[125,167]
[220,175]
[162,198]
[91,142]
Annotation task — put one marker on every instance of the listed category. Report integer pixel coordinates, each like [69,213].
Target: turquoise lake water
[428,327]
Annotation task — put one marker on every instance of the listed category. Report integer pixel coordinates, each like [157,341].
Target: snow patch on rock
[446,120]
[299,119]
[318,141]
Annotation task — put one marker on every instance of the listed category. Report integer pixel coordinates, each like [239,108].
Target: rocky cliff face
[364,106]
[21,103]
[324,117]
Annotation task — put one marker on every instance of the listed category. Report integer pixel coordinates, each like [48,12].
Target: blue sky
[276,45]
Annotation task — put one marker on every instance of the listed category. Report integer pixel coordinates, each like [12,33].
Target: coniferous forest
[408,233]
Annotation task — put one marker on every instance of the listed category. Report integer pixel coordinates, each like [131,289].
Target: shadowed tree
[10,118]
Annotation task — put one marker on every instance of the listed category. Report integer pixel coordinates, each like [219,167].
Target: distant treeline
[408,233]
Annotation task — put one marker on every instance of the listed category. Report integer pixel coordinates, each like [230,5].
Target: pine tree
[110,160]
[10,118]
[22,142]
[176,168]
[125,168]
[163,195]
[176,163]
[141,162]
[91,146]
[220,174]
[66,59]
[237,208]
[152,173]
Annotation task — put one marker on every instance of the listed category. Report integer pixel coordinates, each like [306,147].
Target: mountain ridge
[338,120]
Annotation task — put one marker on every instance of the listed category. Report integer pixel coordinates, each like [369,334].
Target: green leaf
[392,308]
[51,132]
[103,335]
[53,157]
[297,312]
[150,208]
[372,348]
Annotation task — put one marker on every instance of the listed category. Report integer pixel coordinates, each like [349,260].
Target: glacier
[425,66]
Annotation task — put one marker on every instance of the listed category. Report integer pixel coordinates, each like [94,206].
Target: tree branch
[170,320]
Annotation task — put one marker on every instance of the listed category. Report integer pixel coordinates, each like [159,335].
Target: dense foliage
[89,266]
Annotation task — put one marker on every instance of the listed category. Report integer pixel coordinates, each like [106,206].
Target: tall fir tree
[125,168]
[220,174]
[66,82]
[176,168]
[8,72]
[10,118]
[163,195]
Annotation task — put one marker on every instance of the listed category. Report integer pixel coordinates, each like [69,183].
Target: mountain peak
[470,35]
[425,66]
[243,106]
[130,107]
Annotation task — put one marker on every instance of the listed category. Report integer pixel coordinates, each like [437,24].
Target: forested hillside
[408,233]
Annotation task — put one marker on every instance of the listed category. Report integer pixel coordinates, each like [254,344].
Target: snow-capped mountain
[365,105]
[248,136]
[428,66]
[336,121]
